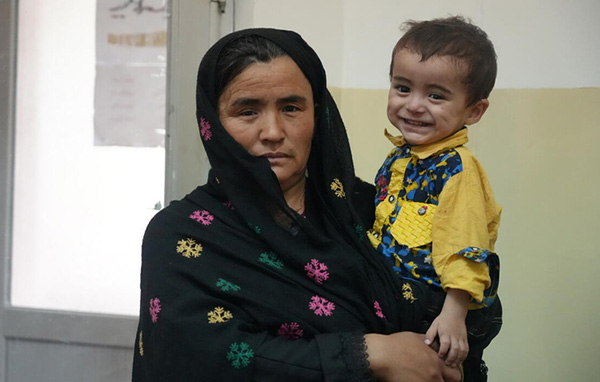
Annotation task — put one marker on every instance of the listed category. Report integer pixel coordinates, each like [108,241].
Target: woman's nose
[272,128]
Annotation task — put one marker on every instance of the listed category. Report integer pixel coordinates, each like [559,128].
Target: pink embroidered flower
[378,310]
[203,217]
[317,271]
[321,306]
[154,309]
[205,129]
[291,331]
[229,205]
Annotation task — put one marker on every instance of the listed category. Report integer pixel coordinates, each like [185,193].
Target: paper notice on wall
[130,92]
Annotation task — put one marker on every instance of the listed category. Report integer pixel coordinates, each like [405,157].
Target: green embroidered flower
[255,228]
[240,354]
[226,286]
[271,259]
[360,232]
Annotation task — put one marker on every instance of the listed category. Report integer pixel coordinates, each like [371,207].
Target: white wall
[539,45]
[319,22]
[548,44]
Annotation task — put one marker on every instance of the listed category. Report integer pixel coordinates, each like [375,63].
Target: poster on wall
[131,59]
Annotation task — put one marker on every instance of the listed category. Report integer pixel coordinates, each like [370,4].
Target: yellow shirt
[436,216]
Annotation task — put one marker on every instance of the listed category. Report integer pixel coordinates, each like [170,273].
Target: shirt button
[391,198]
[422,210]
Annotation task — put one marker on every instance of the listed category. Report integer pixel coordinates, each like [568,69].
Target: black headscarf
[330,162]
[237,286]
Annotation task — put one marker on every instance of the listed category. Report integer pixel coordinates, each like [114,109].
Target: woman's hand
[404,357]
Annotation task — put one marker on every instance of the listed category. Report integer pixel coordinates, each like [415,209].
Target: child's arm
[450,327]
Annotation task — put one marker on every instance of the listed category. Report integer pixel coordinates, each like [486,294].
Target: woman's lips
[274,155]
[274,158]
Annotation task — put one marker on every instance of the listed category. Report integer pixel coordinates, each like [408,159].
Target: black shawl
[236,286]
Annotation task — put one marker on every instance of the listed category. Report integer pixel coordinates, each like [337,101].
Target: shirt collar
[424,151]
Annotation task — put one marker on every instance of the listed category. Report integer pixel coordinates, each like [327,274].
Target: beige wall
[539,150]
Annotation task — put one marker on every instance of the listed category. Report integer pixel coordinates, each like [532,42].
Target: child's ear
[476,111]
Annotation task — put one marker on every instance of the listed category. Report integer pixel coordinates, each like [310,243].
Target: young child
[436,217]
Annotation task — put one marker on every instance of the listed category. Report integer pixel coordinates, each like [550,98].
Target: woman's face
[269,109]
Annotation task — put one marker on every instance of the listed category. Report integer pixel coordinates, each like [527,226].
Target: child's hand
[452,334]
[450,328]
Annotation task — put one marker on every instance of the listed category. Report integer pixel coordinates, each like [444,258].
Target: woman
[265,273]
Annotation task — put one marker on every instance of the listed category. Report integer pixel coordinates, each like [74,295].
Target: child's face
[427,100]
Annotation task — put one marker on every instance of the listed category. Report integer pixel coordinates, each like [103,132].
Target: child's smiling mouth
[415,123]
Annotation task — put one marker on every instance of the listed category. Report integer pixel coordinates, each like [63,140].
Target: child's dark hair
[458,38]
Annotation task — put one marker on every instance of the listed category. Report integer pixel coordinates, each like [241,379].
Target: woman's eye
[247,113]
[290,108]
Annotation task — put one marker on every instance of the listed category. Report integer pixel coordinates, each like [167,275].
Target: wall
[536,143]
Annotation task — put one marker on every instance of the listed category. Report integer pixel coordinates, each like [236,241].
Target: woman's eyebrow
[246,101]
[292,99]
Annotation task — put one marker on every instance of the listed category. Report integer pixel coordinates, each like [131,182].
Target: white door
[97,131]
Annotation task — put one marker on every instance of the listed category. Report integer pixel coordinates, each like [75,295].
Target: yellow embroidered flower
[219,314]
[338,188]
[189,248]
[407,293]
[141,345]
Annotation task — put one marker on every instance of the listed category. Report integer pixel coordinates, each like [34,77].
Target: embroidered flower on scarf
[219,314]
[226,286]
[338,188]
[328,114]
[141,344]
[321,306]
[240,354]
[154,309]
[203,217]
[255,228]
[189,248]
[407,293]
[360,232]
[378,310]
[317,271]
[205,129]
[291,331]
[271,259]
[229,205]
